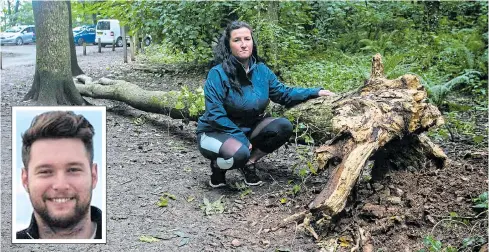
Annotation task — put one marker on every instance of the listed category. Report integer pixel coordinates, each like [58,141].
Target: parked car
[109,30]
[19,35]
[84,34]
[81,28]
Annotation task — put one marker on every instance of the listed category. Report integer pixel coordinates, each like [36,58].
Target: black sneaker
[250,177]
[218,177]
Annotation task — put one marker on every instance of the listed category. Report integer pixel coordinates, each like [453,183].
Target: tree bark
[53,82]
[273,17]
[75,68]
[364,129]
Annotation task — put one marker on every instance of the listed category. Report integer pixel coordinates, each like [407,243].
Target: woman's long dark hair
[222,53]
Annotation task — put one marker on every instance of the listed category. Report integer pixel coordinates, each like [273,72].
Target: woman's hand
[324,92]
[250,147]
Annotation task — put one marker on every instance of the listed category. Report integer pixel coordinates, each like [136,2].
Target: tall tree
[273,14]
[16,11]
[53,82]
[75,68]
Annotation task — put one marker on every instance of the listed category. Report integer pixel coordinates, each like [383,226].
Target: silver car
[18,35]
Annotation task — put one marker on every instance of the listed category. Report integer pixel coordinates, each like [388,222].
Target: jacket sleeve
[215,94]
[288,96]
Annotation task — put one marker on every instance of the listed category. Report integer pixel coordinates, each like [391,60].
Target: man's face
[60,181]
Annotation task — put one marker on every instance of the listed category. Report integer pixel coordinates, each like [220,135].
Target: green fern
[437,93]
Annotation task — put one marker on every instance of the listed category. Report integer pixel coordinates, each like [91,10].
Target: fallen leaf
[147,238]
[190,198]
[163,202]
[171,196]
[344,241]
[183,241]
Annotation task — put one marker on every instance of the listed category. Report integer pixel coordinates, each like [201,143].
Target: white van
[108,30]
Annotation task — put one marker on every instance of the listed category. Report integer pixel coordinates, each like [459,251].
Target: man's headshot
[59,175]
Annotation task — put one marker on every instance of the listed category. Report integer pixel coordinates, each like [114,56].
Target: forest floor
[154,155]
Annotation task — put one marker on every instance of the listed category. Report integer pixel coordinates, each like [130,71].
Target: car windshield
[14,29]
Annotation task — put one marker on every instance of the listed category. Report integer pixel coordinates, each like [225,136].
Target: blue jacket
[227,111]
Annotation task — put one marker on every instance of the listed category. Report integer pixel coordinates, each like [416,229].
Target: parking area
[13,55]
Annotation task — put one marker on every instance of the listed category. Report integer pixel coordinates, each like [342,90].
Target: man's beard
[80,211]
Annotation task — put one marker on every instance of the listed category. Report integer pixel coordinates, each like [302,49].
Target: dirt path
[146,160]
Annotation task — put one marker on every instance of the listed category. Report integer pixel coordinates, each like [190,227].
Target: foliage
[23,16]
[433,245]
[481,202]
[245,189]
[472,242]
[215,207]
[456,128]
[438,92]
[163,202]
[337,72]
[325,44]
[194,102]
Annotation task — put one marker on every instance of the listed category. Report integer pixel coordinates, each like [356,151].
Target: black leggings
[268,135]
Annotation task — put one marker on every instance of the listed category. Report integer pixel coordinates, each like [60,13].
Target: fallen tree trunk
[378,125]
[160,102]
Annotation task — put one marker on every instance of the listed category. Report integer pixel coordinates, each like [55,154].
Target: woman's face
[241,44]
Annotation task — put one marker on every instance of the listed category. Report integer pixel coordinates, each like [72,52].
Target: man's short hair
[58,124]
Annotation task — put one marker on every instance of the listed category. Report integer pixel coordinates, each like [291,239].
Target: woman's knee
[241,156]
[238,159]
[283,126]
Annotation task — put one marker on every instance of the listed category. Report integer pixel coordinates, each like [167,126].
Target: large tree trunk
[53,82]
[378,125]
[75,68]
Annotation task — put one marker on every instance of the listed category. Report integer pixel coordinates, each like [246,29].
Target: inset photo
[59,174]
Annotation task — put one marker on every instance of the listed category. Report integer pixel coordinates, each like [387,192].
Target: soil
[145,160]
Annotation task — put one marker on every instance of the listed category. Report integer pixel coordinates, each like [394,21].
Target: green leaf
[296,189]
[303,172]
[163,202]
[171,196]
[283,200]
[147,238]
[179,105]
[190,198]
